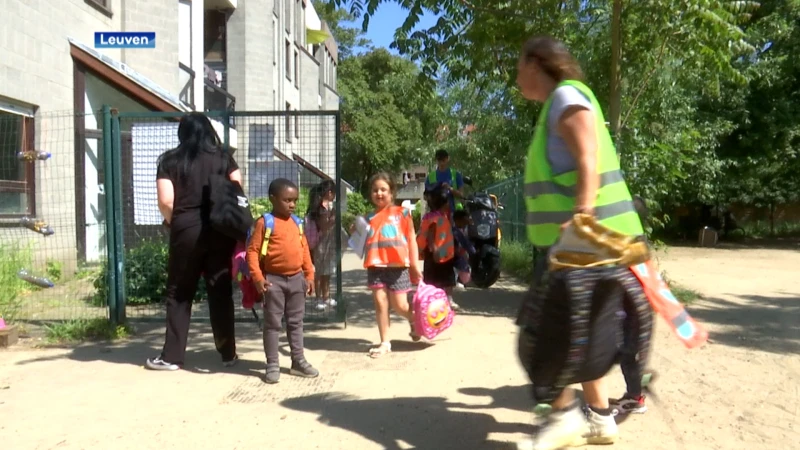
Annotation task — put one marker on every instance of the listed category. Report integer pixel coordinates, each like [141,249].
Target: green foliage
[77,331]
[261,205]
[516,259]
[145,275]
[13,258]
[357,205]
[53,270]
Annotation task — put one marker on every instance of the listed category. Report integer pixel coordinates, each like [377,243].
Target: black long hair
[315,197]
[195,134]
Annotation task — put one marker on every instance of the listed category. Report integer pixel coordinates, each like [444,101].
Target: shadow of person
[349,345]
[420,423]
[518,398]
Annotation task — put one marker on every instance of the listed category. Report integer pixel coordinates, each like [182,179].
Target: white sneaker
[561,429]
[453,303]
[332,303]
[320,305]
[600,430]
[460,287]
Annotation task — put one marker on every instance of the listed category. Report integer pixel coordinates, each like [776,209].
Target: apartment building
[209,55]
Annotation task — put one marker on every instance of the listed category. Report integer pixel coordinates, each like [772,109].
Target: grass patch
[684,294]
[76,331]
[516,260]
[13,258]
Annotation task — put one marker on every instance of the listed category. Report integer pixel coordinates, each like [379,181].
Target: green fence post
[119,232]
[108,190]
[341,310]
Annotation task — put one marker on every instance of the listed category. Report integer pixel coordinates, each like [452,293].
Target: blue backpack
[269,226]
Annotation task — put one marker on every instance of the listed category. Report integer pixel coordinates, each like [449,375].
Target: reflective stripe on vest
[550,197]
[453,178]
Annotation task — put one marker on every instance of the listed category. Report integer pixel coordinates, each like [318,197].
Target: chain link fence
[509,193]
[52,216]
[81,235]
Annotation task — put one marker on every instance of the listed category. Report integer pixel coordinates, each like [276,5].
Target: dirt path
[465,392]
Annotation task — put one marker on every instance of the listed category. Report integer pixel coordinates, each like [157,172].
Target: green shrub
[357,205]
[13,258]
[261,205]
[76,331]
[516,259]
[53,270]
[145,275]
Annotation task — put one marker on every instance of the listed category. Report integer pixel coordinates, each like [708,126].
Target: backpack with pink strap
[432,311]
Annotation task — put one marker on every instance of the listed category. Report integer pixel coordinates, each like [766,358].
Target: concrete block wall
[161,63]
[36,68]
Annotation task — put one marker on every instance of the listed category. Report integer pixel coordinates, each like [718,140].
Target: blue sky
[388,17]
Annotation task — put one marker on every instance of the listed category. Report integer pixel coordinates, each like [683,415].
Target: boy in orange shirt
[280,264]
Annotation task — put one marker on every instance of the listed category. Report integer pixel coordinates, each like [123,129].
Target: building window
[297,127]
[104,6]
[288,123]
[298,23]
[17,188]
[288,16]
[296,69]
[288,61]
[275,43]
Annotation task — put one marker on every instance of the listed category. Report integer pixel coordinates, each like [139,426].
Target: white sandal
[382,349]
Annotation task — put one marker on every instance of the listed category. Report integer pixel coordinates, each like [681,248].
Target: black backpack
[229,211]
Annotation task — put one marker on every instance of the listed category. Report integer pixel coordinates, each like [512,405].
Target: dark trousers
[194,251]
[285,298]
[569,327]
[637,329]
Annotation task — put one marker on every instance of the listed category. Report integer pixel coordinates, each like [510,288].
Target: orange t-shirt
[287,251]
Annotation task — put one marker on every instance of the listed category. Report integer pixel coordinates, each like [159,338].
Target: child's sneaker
[302,368]
[453,303]
[560,429]
[630,404]
[273,374]
[600,429]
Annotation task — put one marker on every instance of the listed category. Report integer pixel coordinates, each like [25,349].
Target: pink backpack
[432,312]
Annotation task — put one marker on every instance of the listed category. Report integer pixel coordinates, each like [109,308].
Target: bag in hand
[230,210]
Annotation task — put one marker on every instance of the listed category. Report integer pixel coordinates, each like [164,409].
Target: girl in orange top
[391,258]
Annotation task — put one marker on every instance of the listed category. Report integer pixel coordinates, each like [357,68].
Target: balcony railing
[186,79]
[218,99]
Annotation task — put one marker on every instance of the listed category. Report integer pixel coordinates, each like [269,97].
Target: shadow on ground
[405,422]
[770,324]
[201,356]
[501,300]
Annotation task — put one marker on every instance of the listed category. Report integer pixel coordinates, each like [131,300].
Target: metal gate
[302,146]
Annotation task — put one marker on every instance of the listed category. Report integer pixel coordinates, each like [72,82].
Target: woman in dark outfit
[194,247]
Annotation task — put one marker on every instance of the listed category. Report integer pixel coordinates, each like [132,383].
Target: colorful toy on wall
[39,226]
[33,279]
[33,155]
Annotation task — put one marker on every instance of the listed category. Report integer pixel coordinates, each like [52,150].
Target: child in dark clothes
[437,245]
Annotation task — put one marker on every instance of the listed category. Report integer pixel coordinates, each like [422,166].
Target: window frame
[104,6]
[296,63]
[288,130]
[27,133]
[288,51]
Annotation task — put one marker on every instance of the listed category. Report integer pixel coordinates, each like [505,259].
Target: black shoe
[231,362]
[303,369]
[273,374]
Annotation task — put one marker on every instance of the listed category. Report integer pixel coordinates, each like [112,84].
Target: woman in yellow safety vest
[572,167]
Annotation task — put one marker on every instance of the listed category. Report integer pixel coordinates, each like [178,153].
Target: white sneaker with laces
[600,430]
[560,429]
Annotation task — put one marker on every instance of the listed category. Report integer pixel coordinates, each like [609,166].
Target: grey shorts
[393,279]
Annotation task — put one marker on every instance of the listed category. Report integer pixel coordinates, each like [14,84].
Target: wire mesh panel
[512,217]
[298,146]
[52,216]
